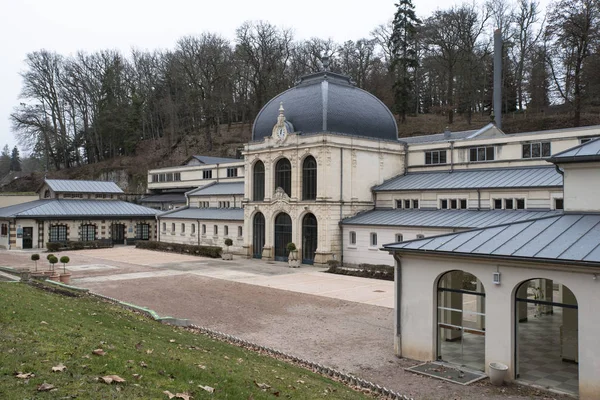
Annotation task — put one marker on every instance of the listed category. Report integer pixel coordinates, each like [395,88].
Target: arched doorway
[283,236]
[461,320]
[258,235]
[309,238]
[546,332]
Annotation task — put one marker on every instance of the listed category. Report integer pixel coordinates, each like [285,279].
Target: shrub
[384,272]
[291,246]
[48,256]
[35,257]
[64,260]
[53,260]
[228,242]
[206,251]
[54,246]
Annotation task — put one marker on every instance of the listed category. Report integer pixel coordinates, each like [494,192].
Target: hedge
[72,245]
[206,251]
[377,271]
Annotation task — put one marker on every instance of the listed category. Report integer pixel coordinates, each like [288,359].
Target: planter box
[227,256]
[294,263]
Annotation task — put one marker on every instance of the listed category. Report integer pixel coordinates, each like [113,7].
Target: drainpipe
[397,306]
[341,205]
[157,227]
[452,156]
[405,157]
[478,199]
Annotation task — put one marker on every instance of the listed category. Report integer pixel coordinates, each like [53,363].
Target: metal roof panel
[79,186]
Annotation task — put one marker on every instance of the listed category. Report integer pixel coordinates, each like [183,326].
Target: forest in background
[92,107]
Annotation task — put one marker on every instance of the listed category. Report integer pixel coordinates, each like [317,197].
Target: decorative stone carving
[280,195]
[354,162]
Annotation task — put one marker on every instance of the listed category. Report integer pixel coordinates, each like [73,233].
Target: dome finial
[325,62]
[281,110]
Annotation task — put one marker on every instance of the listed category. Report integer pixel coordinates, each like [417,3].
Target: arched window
[283,175]
[258,189]
[309,178]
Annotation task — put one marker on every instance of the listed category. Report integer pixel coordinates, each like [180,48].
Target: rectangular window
[373,239]
[588,139]
[415,204]
[406,203]
[177,176]
[162,178]
[173,227]
[435,157]
[485,153]
[497,204]
[207,174]
[226,230]
[164,226]
[142,232]
[508,204]
[4,230]
[203,229]
[398,203]
[58,233]
[193,228]
[232,172]
[88,233]
[182,228]
[536,150]
[216,230]
[399,237]
[240,231]
[420,236]
[559,204]
[154,178]
[520,204]
[444,204]
[169,177]
[453,204]
[463,204]
[352,238]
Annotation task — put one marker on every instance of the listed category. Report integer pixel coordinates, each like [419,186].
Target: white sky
[66,26]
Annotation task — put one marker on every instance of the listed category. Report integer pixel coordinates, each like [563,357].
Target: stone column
[569,328]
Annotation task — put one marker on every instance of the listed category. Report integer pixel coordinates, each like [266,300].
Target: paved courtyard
[344,322]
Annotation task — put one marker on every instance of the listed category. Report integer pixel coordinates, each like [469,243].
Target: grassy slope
[77,326]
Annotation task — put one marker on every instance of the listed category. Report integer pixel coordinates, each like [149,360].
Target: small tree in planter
[53,260]
[226,254]
[35,258]
[65,277]
[293,261]
[49,271]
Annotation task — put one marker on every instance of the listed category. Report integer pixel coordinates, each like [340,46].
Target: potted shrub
[293,261]
[226,254]
[35,258]
[65,277]
[54,276]
[49,271]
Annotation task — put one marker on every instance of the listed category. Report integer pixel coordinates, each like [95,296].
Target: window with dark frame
[352,238]
[309,178]
[463,204]
[258,181]
[207,174]
[283,176]
[497,204]
[142,232]
[193,228]
[559,204]
[4,231]
[406,203]
[173,227]
[240,231]
[177,176]
[203,229]
[216,230]
[226,230]
[58,233]
[420,236]
[508,204]
[182,228]
[88,232]
[399,237]
[373,239]
[520,204]
[444,204]
[398,203]
[232,172]
[453,204]
[415,203]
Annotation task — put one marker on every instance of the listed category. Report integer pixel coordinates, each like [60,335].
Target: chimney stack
[497,106]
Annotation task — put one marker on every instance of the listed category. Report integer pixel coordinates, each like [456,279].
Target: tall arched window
[309,178]
[258,180]
[283,175]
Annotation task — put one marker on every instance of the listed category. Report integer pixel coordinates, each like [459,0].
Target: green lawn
[40,330]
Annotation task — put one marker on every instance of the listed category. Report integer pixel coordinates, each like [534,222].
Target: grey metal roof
[226,214]
[53,208]
[488,178]
[164,198]
[444,218]
[218,188]
[215,160]
[573,238]
[76,186]
[589,151]
[328,102]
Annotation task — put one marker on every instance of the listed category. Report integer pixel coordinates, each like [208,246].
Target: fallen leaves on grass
[26,375]
[201,366]
[262,386]
[143,364]
[207,388]
[149,351]
[99,352]
[59,368]
[183,396]
[45,387]
[43,323]
[112,378]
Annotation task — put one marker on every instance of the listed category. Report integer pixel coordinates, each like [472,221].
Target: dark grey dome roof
[328,102]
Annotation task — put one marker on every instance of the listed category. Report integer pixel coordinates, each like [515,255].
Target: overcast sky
[66,26]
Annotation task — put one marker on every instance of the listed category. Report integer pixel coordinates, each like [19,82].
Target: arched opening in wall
[461,320]
[258,181]
[546,345]
[117,233]
[309,178]
[283,176]
[283,236]
[309,238]
[258,235]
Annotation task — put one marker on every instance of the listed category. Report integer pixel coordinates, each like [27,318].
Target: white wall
[417,307]
[582,187]
[197,238]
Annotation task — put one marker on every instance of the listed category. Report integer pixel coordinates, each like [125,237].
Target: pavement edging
[315,367]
